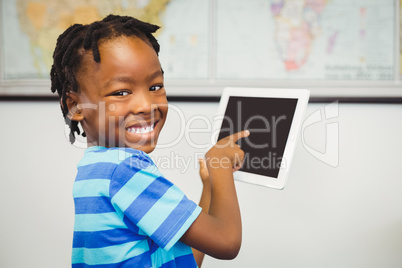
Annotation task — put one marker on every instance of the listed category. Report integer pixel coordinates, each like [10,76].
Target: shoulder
[99,159]
[115,155]
[128,164]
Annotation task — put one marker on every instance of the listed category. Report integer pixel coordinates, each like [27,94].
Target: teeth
[141,130]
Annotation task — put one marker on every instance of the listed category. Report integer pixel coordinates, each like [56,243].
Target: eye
[155,87]
[121,93]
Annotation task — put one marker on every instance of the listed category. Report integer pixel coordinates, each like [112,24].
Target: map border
[212,87]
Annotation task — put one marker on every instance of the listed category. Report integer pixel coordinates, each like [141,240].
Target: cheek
[115,114]
[164,110]
[163,107]
[92,118]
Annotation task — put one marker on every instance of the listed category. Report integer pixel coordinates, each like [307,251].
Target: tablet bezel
[302,96]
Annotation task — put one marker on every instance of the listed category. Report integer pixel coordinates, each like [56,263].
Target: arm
[218,233]
[204,203]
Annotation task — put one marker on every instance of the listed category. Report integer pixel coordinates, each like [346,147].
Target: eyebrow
[117,79]
[157,73]
[127,79]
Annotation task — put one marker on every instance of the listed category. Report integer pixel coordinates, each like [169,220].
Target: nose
[142,103]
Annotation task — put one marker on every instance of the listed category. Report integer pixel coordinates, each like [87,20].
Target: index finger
[239,135]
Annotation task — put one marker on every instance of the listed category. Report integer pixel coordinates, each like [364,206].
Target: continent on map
[296,27]
[44,20]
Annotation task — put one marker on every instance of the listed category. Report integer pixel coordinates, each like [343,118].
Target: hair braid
[68,54]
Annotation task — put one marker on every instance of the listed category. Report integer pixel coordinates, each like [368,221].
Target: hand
[226,153]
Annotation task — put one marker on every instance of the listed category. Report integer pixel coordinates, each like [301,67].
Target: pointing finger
[239,135]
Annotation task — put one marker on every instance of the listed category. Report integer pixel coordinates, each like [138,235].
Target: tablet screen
[269,121]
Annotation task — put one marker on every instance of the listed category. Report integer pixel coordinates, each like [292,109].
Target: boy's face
[122,100]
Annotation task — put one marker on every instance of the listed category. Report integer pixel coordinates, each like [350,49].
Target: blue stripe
[123,173]
[95,187]
[140,155]
[175,222]
[93,205]
[107,255]
[125,190]
[152,246]
[98,222]
[130,225]
[157,215]
[101,170]
[182,261]
[181,256]
[138,161]
[142,260]
[147,199]
[106,238]
[184,227]
[185,261]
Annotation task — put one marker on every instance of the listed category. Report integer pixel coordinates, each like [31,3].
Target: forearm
[224,206]
[205,199]
[204,204]
[218,232]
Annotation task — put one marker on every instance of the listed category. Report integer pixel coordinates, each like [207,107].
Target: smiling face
[121,100]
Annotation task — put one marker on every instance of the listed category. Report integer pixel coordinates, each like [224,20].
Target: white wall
[348,216]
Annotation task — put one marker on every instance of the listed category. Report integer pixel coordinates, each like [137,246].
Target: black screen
[269,121]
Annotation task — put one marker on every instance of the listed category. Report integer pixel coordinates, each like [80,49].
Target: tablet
[273,117]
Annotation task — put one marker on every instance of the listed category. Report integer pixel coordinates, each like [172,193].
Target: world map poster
[223,40]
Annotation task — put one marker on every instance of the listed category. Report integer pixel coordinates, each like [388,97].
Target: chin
[145,148]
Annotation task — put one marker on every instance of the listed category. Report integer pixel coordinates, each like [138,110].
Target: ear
[74,111]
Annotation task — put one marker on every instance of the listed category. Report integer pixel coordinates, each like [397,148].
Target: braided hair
[72,44]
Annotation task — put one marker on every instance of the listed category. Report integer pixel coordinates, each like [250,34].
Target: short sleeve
[150,201]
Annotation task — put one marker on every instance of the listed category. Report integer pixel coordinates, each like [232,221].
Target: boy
[110,81]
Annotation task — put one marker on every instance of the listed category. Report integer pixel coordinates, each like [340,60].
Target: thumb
[201,161]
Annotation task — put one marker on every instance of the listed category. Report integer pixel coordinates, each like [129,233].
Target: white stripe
[109,255]
[98,222]
[160,257]
[184,228]
[94,187]
[134,187]
[180,249]
[158,213]
[110,156]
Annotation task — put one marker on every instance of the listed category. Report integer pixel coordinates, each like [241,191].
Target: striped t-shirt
[127,214]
